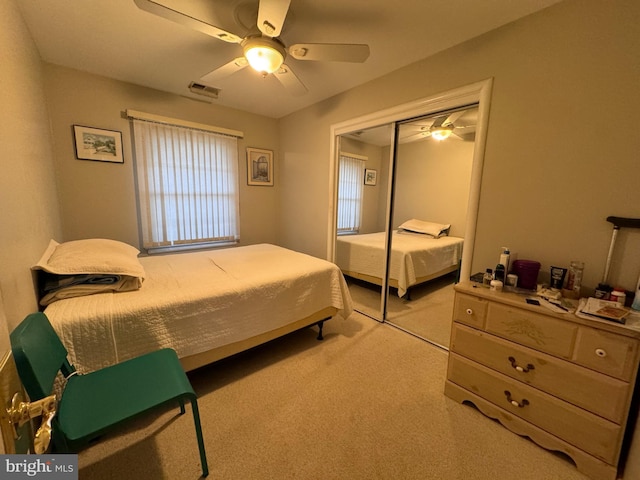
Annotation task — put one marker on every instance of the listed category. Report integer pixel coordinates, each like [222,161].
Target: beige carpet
[366,403]
[427,314]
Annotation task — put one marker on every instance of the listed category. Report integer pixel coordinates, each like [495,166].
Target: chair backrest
[39,355]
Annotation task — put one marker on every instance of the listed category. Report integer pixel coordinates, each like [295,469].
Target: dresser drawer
[606,352]
[584,430]
[470,310]
[535,330]
[600,394]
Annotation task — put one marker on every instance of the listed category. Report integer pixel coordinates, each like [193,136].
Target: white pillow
[87,267]
[94,255]
[436,230]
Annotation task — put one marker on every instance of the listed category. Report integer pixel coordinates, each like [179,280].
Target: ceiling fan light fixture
[442,132]
[264,54]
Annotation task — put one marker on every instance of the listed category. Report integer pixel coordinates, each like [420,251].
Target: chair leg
[58,440]
[181,402]
[196,421]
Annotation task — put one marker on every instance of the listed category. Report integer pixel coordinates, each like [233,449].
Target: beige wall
[549,180]
[28,200]
[433,180]
[97,199]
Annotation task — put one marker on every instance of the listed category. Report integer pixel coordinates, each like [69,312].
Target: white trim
[479,92]
[150,117]
[484,101]
[354,155]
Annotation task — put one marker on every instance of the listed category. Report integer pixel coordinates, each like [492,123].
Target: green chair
[92,404]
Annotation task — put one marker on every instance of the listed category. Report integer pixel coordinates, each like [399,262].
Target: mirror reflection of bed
[432,180]
[433,298]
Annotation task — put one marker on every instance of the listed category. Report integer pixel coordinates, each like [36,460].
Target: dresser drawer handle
[469,311]
[513,402]
[519,368]
[601,353]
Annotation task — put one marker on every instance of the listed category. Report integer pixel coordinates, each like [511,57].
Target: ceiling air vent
[200,89]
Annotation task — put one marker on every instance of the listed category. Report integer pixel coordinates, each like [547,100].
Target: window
[187,183]
[350,180]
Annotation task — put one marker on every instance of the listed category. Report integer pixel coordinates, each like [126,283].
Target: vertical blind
[187,182]
[350,181]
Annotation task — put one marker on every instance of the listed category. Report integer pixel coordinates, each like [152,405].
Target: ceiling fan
[262,48]
[440,128]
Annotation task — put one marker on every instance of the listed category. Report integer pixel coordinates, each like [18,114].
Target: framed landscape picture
[98,144]
[259,167]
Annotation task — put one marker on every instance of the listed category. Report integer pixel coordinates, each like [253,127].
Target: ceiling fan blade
[438,121]
[271,15]
[330,52]
[414,138]
[451,119]
[158,8]
[465,137]
[290,81]
[224,71]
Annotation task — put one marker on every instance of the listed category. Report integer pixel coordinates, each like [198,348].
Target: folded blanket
[53,283]
[57,287]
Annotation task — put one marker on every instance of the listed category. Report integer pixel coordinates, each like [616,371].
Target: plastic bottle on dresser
[618,295]
[574,279]
[487,277]
[505,257]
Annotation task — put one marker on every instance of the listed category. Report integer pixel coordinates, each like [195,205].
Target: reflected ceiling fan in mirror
[460,124]
[262,49]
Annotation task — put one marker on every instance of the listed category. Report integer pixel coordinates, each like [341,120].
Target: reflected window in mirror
[350,193]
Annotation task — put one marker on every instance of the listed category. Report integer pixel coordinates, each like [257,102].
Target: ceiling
[115,39]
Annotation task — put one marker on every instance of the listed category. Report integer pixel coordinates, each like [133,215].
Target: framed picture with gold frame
[259,167]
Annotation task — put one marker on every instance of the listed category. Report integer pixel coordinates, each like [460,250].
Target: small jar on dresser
[564,381]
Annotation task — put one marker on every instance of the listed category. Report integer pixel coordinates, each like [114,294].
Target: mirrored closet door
[365,157]
[432,176]
[400,175]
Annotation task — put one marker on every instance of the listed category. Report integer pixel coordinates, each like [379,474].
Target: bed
[206,305]
[415,257]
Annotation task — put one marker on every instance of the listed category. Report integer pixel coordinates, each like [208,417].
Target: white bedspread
[413,255]
[193,302]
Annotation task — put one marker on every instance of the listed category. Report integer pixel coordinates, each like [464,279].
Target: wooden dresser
[565,382]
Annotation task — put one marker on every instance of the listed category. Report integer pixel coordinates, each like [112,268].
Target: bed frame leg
[320,325]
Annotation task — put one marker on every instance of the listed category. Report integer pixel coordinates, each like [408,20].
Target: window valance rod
[150,117]
[354,155]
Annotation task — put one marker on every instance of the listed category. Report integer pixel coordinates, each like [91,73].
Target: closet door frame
[480,93]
